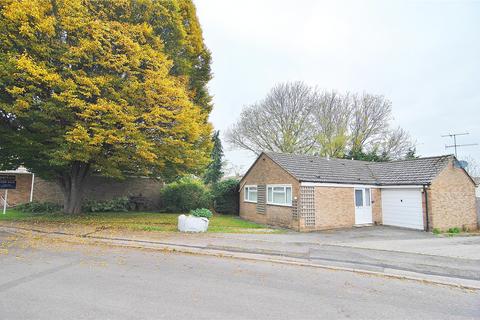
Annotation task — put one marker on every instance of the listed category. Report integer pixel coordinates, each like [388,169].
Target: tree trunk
[72,183]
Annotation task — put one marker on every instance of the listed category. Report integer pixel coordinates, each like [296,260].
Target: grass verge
[143,221]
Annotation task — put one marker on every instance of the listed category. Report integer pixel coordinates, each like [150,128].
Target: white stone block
[192,224]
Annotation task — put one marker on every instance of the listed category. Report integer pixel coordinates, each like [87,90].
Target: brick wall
[265,171]
[334,207]
[97,188]
[22,193]
[452,200]
[478,211]
[46,191]
[377,206]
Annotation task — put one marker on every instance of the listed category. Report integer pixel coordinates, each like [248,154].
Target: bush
[454,230]
[225,196]
[115,205]
[201,213]
[436,231]
[185,194]
[39,207]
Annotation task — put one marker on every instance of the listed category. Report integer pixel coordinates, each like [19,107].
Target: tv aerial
[455,145]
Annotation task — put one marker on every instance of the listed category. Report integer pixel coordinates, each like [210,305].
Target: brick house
[308,193]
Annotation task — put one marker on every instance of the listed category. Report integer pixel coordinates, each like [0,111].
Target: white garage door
[402,208]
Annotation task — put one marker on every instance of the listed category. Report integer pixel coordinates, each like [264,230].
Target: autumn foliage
[105,87]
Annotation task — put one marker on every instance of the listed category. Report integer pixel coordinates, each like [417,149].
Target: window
[281,195]
[367,197]
[363,197]
[359,197]
[250,193]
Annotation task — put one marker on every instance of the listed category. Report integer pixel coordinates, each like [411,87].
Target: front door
[363,206]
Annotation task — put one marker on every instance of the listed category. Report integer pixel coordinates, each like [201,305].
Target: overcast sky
[422,55]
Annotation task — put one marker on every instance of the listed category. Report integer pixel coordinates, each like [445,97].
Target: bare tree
[371,115]
[281,122]
[331,116]
[473,168]
[295,118]
[395,143]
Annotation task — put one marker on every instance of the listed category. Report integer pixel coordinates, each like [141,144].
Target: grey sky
[422,55]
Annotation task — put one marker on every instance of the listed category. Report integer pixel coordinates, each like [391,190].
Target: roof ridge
[421,158]
[317,157]
[364,161]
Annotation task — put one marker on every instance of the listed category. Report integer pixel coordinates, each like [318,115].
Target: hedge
[225,196]
[186,194]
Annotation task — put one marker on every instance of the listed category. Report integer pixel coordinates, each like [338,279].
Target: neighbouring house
[477,190]
[309,193]
[30,188]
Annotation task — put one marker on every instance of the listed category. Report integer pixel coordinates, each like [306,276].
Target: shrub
[454,230]
[225,196]
[201,213]
[436,231]
[39,207]
[115,205]
[186,194]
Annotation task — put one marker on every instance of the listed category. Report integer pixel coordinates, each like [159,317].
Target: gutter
[427,224]
[359,184]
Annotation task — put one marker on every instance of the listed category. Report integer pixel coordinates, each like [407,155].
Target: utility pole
[455,145]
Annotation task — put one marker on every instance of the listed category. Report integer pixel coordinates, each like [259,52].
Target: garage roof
[308,168]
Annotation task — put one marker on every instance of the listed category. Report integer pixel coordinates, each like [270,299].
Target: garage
[402,208]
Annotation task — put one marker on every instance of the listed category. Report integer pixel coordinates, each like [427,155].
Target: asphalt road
[44,280]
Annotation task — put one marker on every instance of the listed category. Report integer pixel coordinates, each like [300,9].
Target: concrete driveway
[379,238]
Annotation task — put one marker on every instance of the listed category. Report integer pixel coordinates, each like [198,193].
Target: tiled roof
[403,172]
[413,171]
[317,169]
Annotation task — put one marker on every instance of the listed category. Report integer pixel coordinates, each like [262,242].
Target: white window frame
[284,186]
[364,196]
[246,193]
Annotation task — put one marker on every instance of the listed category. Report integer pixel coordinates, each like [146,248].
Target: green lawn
[145,221]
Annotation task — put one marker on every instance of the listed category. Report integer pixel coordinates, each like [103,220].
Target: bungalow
[308,193]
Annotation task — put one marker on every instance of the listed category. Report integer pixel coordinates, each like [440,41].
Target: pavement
[377,250]
[43,277]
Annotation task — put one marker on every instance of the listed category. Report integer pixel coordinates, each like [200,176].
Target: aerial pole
[455,145]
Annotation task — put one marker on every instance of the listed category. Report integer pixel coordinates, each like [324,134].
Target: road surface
[44,280]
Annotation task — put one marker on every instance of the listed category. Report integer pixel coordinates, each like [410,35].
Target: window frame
[367,199]
[246,193]
[284,186]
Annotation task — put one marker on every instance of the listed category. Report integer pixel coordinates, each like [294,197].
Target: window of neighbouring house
[250,193]
[279,194]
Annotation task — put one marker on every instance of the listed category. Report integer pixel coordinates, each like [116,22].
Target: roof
[19,170]
[308,168]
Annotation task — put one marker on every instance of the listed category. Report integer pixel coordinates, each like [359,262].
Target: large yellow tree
[89,87]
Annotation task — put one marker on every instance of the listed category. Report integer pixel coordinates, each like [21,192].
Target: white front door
[363,206]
